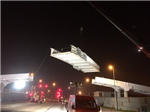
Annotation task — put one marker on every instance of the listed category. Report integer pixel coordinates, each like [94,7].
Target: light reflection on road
[57,109]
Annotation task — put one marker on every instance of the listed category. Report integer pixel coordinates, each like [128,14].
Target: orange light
[80,92]
[87,79]
[54,84]
[110,67]
[32,74]
[40,80]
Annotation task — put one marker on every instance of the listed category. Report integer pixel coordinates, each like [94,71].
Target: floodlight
[20,84]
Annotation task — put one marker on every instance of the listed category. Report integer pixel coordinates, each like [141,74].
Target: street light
[80,92]
[87,79]
[112,68]
[76,85]
[40,80]
[32,74]
[54,84]
[49,91]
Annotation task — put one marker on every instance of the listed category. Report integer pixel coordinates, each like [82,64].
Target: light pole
[116,103]
[76,85]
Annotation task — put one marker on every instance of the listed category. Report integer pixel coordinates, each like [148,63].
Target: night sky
[30,29]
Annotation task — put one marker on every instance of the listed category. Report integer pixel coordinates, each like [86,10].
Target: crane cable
[42,62]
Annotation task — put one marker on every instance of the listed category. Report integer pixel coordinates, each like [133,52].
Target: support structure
[121,85]
[125,93]
[10,78]
[118,93]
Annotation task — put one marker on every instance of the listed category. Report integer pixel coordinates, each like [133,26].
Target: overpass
[121,85]
[10,78]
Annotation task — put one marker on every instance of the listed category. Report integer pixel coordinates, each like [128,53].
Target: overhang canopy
[78,59]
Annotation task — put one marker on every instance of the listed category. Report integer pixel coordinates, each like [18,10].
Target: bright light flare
[80,92]
[139,48]
[32,74]
[54,84]
[87,79]
[19,84]
[110,67]
[40,80]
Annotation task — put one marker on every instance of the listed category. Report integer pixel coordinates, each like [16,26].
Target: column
[115,99]
[125,93]
[126,89]
[2,87]
[118,93]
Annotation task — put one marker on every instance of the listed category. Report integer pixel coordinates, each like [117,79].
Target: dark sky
[30,29]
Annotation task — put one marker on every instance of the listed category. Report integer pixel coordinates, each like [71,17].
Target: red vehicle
[78,103]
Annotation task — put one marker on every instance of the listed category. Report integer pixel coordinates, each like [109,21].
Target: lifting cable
[42,62]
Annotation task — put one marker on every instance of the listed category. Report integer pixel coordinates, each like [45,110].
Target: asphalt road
[36,107]
[31,107]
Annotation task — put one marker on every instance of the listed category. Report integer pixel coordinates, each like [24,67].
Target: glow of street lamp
[80,92]
[54,84]
[110,67]
[32,74]
[40,80]
[87,79]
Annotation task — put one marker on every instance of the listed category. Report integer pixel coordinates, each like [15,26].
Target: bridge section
[9,78]
[121,85]
[77,58]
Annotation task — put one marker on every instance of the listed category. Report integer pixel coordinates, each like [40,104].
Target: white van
[79,103]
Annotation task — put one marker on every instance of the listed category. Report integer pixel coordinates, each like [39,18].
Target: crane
[140,43]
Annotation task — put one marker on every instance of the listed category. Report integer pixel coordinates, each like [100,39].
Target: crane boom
[144,47]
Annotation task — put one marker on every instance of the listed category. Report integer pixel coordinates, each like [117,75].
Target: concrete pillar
[2,87]
[126,89]
[125,93]
[118,93]
[103,94]
[115,99]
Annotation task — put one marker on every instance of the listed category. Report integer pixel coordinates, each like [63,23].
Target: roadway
[31,107]
[36,107]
